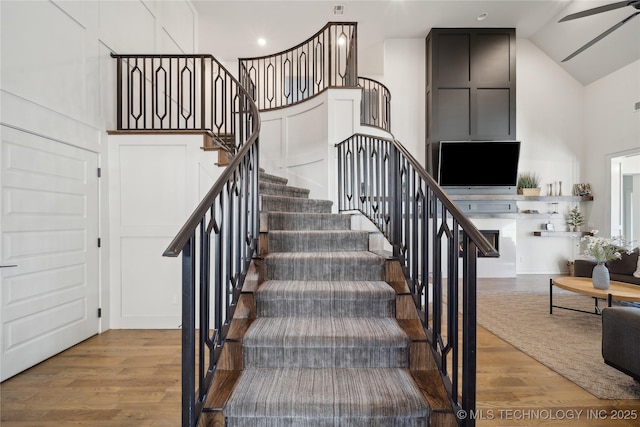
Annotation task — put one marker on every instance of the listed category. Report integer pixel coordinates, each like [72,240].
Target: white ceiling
[229,29]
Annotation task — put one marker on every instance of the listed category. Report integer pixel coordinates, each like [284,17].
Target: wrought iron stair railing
[217,242]
[428,232]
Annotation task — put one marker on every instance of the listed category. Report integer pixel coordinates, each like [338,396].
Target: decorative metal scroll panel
[327,59]
[379,178]
[179,93]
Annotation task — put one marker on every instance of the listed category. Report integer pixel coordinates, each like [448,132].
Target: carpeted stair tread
[318,240]
[326,397]
[294,204]
[325,298]
[307,221]
[266,177]
[273,189]
[344,265]
[325,342]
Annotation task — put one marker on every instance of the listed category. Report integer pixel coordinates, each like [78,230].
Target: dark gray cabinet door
[470,84]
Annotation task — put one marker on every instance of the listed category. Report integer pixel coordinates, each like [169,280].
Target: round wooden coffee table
[618,291]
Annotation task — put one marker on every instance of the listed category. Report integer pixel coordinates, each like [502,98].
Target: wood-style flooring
[132,378]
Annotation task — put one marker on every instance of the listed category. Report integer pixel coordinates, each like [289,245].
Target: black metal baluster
[189,414]
[469,333]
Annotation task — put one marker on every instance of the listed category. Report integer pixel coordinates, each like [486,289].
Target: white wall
[550,125]
[404,76]
[57,78]
[611,126]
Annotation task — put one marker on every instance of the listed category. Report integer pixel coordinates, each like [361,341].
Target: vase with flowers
[603,250]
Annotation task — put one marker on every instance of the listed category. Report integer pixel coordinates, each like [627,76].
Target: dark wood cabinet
[470,86]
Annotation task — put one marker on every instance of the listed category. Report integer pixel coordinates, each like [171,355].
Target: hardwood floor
[132,378]
[119,378]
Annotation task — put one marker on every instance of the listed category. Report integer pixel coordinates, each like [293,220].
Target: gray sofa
[620,270]
[620,324]
[621,339]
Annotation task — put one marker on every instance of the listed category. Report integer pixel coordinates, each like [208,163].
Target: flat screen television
[472,164]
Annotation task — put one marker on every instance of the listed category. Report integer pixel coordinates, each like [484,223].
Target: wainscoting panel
[156,182]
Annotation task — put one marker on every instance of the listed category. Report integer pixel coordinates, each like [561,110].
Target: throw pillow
[637,272]
[627,265]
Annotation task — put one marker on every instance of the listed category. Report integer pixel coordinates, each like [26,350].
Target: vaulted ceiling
[230,29]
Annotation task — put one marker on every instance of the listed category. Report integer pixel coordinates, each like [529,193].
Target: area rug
[567,342]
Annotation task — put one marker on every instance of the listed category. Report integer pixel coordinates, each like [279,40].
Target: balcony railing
[177,93]
[428,232]
[375,105]
[327,59]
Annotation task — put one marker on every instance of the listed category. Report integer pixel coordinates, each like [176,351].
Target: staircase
[334,337]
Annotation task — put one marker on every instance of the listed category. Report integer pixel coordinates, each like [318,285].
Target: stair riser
[314,270]
[343,421]
[309,357]
[292,204]
[325,308]
[273,190]
[272,179]
[306,221]
[327,242]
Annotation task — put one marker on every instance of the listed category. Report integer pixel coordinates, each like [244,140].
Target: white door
[49,232]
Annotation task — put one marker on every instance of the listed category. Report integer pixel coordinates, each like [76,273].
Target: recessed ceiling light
[261,41]
[482,16]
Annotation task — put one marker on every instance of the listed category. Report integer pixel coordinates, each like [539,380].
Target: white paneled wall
[155,185]
[57,81]
[298,142]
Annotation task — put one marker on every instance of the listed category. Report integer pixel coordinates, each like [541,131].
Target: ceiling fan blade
[601,36]
[597,10]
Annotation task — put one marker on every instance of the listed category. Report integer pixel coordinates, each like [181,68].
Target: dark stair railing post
[469,322]
[396,200]
[188,333]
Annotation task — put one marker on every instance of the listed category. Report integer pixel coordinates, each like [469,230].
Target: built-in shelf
[561,233]
[557,199]
[521,198]
[540,215]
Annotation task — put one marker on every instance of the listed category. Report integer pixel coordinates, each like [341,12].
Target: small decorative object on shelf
[603,250]
[550,190]
[559,188]
[582,189]
[575,218]
[548,226]
[528,184]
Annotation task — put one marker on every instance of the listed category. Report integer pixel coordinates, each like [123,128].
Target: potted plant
[575,219]
[528,184]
